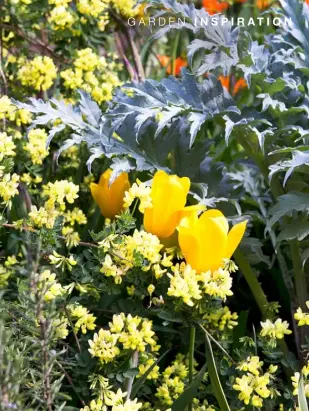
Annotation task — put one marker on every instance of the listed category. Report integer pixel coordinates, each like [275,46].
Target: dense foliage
[154,206]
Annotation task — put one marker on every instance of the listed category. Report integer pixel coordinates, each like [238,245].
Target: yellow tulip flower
[110,197]
[169,197]
[206,241]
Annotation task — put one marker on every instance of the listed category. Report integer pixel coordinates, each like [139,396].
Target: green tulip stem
[191,360]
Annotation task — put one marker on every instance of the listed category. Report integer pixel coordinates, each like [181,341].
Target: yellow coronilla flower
[61,18]
[42,218]
[7,146]
[84,320]
[140,191]
[184,284]
[125,7]
[110,197]
[38,73]
[104,346]
[275,330]
[36,145]
[301,317]
[168,199]
[75,216]
[59,192]
[217,283]
[51,287]
[222,318]
[251,364]
[206,241]
[9,187]
[93,8]
[72,238]
[60,326]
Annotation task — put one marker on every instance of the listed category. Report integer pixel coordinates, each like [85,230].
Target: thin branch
[70,381]
[72,326]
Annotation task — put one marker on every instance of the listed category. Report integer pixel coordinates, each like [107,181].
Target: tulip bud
[110,197]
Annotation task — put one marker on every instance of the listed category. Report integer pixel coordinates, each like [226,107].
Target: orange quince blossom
[169,197]
[206,242]
[179,63]
[214,6]
[225,81]
[110,197]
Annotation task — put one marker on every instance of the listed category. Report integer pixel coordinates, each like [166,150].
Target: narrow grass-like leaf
[214,377]
[302,401]
[190,393]
[143,378]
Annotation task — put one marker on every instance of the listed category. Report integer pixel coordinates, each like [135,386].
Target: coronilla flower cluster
[10,112]
[254,386]
[94,74]
[84,321]
[296,378]
[38,73]
[7,146]
[185,283]
[132,333]
[301,317]
[48,284]
[221,319]
[172,381]
[274,331]
[60,192]
[126,250]
[8,187]
[36,145]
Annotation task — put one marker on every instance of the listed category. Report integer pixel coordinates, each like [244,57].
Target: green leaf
[302,400]
[286,205]
[298,229]
[214,377]
[136,387]
[190,393]
[299,159]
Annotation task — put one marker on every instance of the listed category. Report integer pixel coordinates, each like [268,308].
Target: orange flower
[110,197]
[214,6]
[226,83]
[262,4]
[179,63]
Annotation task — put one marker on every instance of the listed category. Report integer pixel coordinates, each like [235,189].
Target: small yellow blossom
[38,73]
[62,261]
[42,217]
[275,330]
[51,287]
[184,284]
[59,192]
[7,146]
[36,145]
[84,320]
[104,346]
[139,191]
[61,18]
[9,187]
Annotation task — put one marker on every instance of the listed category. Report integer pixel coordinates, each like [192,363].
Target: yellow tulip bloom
[169,197]
[206,241]
[110,197]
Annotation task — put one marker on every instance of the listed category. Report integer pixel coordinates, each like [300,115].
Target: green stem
[174,53]
[254,285]
[258,294]
[191,360]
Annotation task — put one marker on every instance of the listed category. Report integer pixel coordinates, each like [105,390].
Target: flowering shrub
[154,233]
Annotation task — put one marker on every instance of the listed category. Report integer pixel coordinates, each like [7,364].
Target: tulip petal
[234,237]
[219,217]
[169,196]
[213,236]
